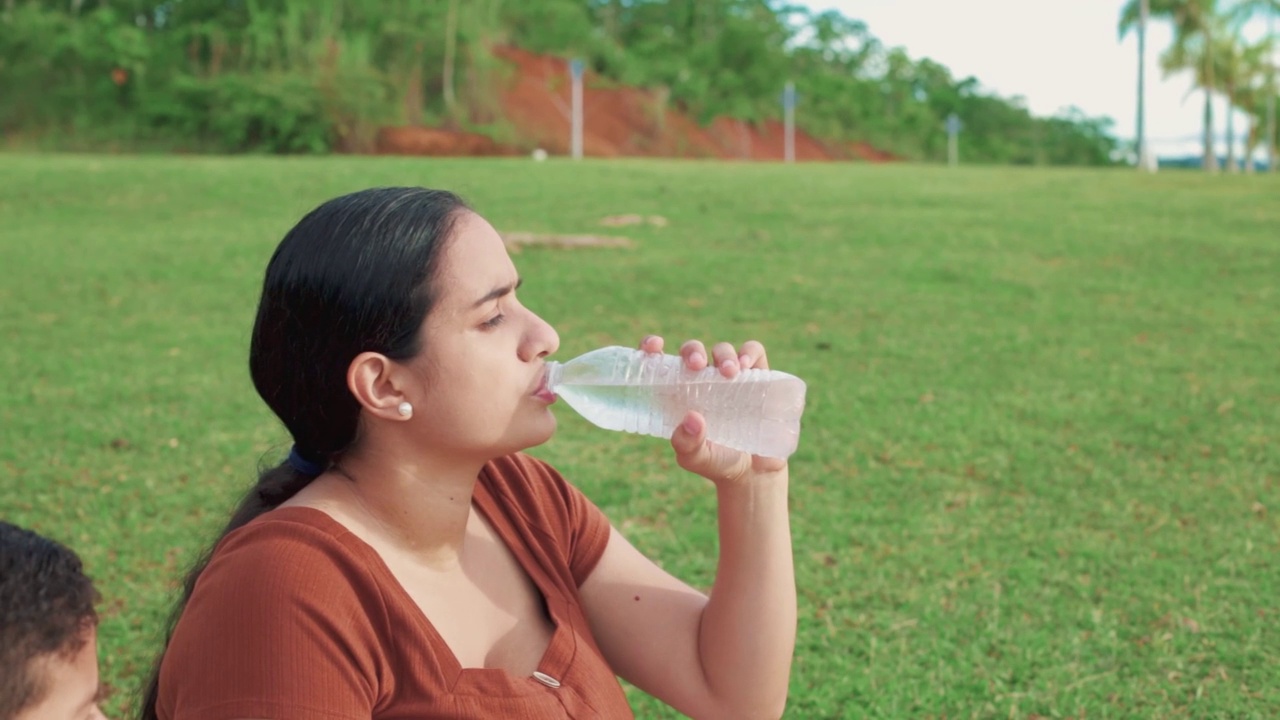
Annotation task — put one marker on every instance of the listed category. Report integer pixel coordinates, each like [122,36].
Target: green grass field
[1038,475]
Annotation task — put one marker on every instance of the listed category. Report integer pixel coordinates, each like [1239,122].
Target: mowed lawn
[1038,476]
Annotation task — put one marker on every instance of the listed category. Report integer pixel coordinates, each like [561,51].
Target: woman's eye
[494,321]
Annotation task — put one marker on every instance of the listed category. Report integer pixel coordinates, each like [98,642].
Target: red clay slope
[618,121]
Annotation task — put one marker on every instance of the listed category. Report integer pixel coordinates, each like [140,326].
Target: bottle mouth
[552,377]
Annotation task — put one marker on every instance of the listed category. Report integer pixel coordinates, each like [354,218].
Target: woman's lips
[542,393]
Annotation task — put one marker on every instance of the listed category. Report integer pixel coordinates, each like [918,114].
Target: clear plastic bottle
[625,389]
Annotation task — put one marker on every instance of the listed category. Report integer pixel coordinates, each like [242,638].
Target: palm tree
[1140,137]
[1271,8]
[1196,54]
[1252,94]
[1193,32]
[1229,63]
[1272,158]
[1242,68]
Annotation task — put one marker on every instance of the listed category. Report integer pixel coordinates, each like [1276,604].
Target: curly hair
[46,607]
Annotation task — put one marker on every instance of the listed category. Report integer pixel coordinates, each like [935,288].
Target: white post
[576,68]
[789,107]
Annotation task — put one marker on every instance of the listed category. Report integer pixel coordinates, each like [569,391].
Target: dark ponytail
[354,275]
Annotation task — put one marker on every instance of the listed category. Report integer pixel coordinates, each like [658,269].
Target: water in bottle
[619,388]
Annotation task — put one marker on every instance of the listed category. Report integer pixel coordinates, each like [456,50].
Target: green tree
[318,75]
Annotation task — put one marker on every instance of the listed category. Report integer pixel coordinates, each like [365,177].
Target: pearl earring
[405,409]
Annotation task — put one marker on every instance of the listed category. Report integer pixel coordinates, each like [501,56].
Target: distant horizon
[975,39]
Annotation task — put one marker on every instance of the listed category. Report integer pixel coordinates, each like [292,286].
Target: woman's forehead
[475,261]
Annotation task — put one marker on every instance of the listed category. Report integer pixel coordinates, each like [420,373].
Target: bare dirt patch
[516,240]
[619,121]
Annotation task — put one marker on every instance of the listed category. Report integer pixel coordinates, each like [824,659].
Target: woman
[407,561]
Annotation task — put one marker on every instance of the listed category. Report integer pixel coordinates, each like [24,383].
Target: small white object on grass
[539,154]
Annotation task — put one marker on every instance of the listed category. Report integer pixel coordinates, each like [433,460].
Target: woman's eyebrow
[498,292]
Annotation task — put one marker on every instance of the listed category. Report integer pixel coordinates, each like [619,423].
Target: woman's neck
[418,505]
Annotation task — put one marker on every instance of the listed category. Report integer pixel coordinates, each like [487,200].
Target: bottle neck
[555,371]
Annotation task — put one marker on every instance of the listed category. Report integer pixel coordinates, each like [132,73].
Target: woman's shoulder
[286,591]
[288,552]
[296,531]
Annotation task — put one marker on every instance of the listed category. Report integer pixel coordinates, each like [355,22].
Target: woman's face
[482,365]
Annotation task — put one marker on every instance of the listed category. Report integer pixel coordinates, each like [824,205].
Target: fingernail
[690,426]
[695,358]
[744,361]
[726,365]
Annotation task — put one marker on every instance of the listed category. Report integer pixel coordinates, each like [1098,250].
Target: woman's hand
[694,452]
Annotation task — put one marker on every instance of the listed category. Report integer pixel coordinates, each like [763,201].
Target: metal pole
[790,114]
[576,68]
[953,139]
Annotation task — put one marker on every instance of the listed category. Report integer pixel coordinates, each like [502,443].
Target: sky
[1053,54]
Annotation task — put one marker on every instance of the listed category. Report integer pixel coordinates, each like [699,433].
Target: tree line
[313,76]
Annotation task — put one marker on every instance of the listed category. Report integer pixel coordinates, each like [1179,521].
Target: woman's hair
[354,275]
[46,608]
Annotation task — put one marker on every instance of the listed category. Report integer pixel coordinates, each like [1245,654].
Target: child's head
[48,631]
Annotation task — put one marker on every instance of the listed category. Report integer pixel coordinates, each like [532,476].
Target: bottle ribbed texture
[619,388]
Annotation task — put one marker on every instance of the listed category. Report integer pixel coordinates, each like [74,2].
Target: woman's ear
[374,380]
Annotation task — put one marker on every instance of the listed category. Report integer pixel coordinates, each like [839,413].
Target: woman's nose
[542,339]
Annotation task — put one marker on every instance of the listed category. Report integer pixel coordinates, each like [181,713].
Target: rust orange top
[295,618]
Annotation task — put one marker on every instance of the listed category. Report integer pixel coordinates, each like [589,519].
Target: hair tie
[303,465]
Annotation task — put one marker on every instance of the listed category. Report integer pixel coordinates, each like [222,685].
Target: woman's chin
[538,433]
[548,432]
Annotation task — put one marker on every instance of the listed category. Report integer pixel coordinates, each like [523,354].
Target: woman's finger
[752,355]
[652,343]
[694,354]
[726,359]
